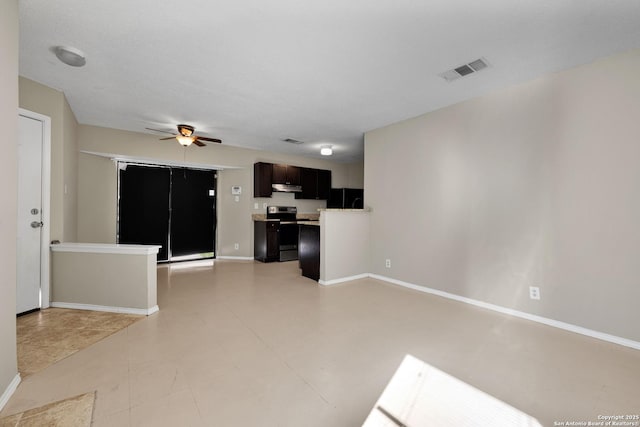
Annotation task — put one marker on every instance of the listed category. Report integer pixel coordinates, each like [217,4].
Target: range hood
[286,188]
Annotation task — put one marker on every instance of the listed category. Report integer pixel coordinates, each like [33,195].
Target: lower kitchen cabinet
[266,247]
[309,251]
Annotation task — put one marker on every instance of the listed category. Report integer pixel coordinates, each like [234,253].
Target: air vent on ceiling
[465,70]
[293,141]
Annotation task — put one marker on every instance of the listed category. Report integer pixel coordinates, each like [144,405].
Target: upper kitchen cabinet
[262,177]
[324,184]
[286,174]
[316,184]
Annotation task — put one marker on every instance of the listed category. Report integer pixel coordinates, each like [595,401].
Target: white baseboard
[8,392]
[237,258]
[343,279]
[550,322]
[123,310]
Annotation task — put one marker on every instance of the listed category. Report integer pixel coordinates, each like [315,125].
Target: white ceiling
[254,72]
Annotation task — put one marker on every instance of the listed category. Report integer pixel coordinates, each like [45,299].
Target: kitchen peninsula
[331,247]
[339,243]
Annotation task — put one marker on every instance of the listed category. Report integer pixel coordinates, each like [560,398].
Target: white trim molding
[122,310]
[8,392]
[45,269]
[106,248]
[343,279]
[539,319]
[157,162]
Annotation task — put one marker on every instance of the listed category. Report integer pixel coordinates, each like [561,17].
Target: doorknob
[36,224]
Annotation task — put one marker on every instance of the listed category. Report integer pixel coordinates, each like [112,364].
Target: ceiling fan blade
[209,139]
[198,143]
[171,137]
[160,130]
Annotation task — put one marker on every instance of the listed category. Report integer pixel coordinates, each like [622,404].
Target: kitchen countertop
[308,216]
[299,217]
[344,210]
[316,223]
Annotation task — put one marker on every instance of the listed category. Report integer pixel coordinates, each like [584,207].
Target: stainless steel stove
[287,231]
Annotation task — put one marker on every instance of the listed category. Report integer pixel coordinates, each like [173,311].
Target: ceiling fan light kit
[185,140]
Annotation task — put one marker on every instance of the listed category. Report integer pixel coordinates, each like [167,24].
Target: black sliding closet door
[143,209]
[171,207]
[192,212]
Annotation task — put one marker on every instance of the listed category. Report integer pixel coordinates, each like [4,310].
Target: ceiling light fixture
[326,150]
[70,56]
[185,140]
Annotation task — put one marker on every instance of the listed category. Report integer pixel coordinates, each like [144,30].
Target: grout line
[280,357]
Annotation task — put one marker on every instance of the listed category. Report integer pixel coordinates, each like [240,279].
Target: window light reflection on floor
[421,395]
[185,265]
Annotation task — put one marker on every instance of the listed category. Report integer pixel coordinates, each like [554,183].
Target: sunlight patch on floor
[421,395]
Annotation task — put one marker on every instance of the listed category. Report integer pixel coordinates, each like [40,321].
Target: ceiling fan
[186,137]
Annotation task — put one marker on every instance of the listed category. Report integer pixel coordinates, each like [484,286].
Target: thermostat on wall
[236,190]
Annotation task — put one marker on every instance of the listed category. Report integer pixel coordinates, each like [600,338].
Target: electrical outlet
[534,292]
[256,206]
[387,263]
[236,198]
[236,246]
[264,206]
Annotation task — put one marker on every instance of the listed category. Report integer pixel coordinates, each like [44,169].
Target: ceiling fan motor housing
[186,130]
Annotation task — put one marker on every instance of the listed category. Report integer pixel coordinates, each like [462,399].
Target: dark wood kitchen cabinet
[316,184]
[286,174]
[262,178]
[309,251]
[266,247]
[324,184]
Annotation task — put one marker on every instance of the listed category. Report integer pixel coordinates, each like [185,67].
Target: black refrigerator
[346,198]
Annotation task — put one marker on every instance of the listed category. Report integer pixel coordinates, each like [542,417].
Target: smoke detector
[464,70]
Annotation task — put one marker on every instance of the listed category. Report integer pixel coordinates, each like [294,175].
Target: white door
[29,243]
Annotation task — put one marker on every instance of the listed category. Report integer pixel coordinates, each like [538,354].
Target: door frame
[46,204]
[124,162]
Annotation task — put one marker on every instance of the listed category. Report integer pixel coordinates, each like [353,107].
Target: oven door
[288,237]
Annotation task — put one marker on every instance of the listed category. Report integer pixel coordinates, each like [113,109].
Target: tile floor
[72,412]
[50,335]
[252,344]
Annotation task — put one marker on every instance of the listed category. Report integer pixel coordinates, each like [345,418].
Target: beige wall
[97,183]
[70,174]
[8,179]
[355,175]
[536,185]
[104,279]
[344,244]
[64,165]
